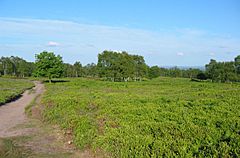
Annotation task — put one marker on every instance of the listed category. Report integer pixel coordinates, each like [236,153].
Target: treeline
[224,71]
[15,66]
[77,70]
[228,71]
[117,66]
[18,67]
[156,71]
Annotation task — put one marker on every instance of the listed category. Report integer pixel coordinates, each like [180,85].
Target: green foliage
[15,66]
[90,70]
[224,71]
[156,71]
[121,66]
[48,65]
[78,69]
[237,64]
[201,76]
[164,117]
[9,149]
[12,88]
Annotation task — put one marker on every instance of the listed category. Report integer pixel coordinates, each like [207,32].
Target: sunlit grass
[12,88]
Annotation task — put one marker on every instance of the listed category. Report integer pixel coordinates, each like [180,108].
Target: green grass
[165,117]
[12,88]
[9,149]
[28,108]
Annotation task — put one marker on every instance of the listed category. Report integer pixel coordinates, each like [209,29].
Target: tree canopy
[15,66]
[121,66]
[223,71]
[48,65]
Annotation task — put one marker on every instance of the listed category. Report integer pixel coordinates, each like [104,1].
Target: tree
[154,72]
[90,70]
[201,76]
[48,65]
[140,67]
[223,71]
[211,70]
[15,66]
[121,66]
[237,64]
[78,69]
[68,70]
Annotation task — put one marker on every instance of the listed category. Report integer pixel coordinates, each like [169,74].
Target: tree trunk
[50,79]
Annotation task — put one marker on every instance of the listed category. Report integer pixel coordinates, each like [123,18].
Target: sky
[165,32]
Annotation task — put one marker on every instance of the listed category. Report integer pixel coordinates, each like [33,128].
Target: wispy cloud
[52,44]
[180,54]
[75,41]
[212,54]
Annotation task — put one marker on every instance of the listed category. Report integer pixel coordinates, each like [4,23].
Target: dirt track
[46,140]
[12,114]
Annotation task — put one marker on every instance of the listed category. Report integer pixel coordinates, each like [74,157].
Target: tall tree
[68,70]
[90,70]
[223,71]
[154,72]
[78,69]
[121,66]
[237,64]
[140,67]
[49,65]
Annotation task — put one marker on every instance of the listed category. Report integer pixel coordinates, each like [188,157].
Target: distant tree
[48,65]
[201,76]
[78,69]
[15,66]
[140,67]
[121,66]
[154,72]
[223,71]
[68,70]
[175,72]
[90,70]
[191,73]
[237,64]
[227,71]
[25,68]
[6,65]
[212,70]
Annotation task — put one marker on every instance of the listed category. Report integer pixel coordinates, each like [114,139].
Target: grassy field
[164,117]
[12,88]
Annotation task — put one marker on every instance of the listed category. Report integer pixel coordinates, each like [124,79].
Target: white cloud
[84,41]
[180,54]
[52,44]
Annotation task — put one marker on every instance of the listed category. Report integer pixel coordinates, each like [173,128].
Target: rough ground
[37,139]
[12,114]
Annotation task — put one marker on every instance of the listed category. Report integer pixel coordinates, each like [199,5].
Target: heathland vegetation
[12,88]
[163,117]
[165,114]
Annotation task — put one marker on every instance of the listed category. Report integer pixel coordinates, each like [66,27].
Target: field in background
[12,88]
[161,117]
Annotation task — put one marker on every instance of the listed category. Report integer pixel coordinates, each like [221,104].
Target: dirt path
[12,114]
[36,138]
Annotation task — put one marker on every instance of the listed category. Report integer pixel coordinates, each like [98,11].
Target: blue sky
[173,32]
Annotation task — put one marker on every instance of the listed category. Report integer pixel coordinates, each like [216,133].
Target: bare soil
[13,113]
[41,139]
